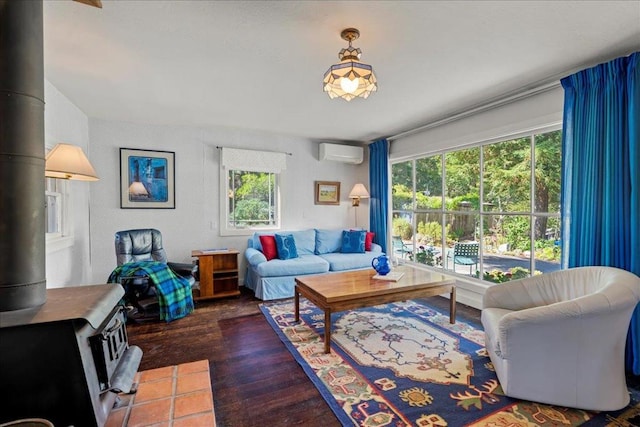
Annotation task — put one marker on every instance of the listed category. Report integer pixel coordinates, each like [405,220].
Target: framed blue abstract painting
[147,179]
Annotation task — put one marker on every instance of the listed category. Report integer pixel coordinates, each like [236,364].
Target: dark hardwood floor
[255,380]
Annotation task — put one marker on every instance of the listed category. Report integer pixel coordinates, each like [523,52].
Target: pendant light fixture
[350,78]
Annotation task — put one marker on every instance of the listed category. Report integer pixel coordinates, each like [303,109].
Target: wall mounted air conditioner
[341,153]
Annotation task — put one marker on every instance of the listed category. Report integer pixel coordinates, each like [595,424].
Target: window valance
[253,160]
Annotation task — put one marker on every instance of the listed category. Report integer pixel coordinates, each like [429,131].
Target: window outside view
[53,206]
[491,212]
[251,199]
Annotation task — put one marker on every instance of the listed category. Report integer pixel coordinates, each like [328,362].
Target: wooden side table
[218,274]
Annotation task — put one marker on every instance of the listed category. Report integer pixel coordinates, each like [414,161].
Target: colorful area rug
[404,364]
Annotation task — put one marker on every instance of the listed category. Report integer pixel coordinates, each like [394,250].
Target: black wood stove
[63,352]
[66,360]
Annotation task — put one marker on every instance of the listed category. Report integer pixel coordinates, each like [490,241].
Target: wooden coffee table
[333,292]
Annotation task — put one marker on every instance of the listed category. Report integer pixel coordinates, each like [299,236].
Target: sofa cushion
[341,261]
[353,241]
[269,248]
[304,264]
[286,246]
[305,241]
[328,241]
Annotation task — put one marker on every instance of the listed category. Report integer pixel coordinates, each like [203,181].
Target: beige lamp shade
[358,192]
[66,161]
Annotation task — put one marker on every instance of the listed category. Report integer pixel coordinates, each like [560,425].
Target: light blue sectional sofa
[319,251]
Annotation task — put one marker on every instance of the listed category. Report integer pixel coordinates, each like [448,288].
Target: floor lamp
[66,161]
[358,192]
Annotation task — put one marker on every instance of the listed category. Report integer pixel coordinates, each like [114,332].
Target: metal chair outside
[399,247]
[464,254]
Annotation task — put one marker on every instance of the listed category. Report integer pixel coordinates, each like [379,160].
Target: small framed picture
[147,179]
[327,192]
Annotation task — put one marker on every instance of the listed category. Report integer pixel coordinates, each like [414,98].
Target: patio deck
[493,262]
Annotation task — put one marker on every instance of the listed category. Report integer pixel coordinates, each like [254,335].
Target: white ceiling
[259,64]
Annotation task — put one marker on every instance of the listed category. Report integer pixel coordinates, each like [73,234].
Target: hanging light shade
[350,78]
[66,161]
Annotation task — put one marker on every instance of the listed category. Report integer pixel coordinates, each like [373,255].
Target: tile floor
[174,396]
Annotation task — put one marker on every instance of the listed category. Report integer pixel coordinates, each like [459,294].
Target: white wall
[69,264]
[194,223]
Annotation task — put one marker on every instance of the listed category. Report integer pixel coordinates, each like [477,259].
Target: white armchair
[559,338]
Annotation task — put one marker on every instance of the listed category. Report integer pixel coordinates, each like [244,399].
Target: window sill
[247,231]
[54,244]
[469,289]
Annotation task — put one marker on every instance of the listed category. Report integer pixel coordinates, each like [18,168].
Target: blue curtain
[601,176]
[379,183]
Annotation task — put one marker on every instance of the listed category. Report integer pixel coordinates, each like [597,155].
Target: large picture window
[491,211]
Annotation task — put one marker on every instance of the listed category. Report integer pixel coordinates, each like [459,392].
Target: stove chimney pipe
[22,200]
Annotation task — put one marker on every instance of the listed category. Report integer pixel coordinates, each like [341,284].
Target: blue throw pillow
[286,246]
[353,241]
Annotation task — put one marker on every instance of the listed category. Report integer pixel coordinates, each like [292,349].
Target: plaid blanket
[173,291]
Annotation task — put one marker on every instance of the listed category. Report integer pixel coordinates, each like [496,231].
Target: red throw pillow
[269,248]
[368,240]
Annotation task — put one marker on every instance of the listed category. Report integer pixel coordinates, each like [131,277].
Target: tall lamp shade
[66,161]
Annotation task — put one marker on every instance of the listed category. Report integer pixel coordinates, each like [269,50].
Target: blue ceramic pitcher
[381,265]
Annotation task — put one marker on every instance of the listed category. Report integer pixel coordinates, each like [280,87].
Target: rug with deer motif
[404,364]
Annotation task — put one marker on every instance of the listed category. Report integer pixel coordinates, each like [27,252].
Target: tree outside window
[251,200]
[490,211]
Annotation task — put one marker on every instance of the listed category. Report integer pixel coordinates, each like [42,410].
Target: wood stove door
[109,345]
